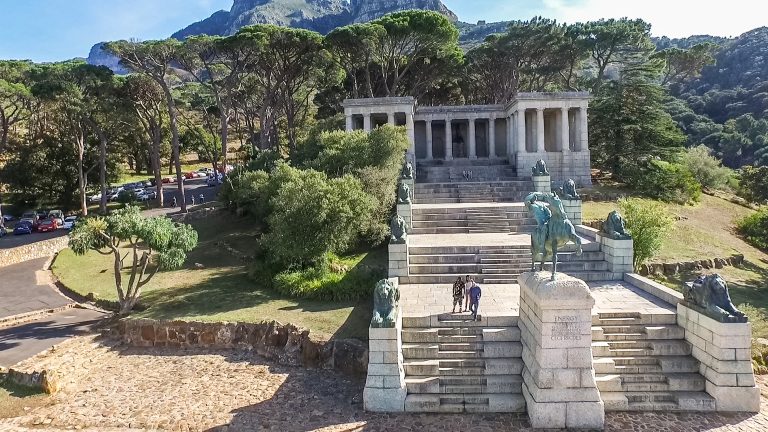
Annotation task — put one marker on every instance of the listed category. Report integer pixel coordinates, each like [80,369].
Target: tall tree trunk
[224,124]
[80,173]
[173,115]
[157,139]
[102,167]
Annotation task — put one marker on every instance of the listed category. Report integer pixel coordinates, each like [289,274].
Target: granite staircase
[453,364]
[643,363]
[471,219]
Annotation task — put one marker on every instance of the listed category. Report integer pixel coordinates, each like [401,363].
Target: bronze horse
[553,230]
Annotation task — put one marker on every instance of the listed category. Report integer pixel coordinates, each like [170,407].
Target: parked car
[146,195]
[169,179]
[31,217]
[48,225]
[69,222]
[8,218]
[23,227]
[3,231]
[42,214]
[95,198]
[205,170]
[58,215]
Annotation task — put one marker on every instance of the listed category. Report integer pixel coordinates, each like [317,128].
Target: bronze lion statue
[711,294]
[385,299]
[569,190]
[407,171]
[615,227]
[540,169]
[403,194]
[398,229]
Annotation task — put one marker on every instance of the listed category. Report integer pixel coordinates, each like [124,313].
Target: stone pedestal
[618,253]
[385,386]
[398,259]
[406,212]
[573,210]
[542,184]
[556,331]
[723,350]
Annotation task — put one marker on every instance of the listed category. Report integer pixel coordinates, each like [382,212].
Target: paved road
[24,288]
[24,341]
[12,241]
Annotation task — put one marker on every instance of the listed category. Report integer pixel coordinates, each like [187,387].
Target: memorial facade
[533,126]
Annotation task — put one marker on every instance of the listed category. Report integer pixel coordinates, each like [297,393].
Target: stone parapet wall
[573,210]
[287,344]
[398,259]
[556,331]
[723,350]
[40,249]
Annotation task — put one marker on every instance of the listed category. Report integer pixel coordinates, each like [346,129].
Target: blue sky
[51,30]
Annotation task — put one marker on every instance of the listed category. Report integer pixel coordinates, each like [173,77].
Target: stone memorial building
[533,126]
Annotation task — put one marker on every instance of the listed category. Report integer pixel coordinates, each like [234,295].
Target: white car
[69,222]
[95,198]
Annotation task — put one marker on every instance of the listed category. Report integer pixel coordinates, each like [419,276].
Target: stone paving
[158,389]
[503,300]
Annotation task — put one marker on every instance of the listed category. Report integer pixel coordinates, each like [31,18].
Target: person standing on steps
[468,282]
[474,300]
[458,293]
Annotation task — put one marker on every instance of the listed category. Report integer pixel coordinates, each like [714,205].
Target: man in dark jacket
[474,300]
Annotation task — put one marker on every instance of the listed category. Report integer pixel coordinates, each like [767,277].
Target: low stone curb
[287,344]
[15,320]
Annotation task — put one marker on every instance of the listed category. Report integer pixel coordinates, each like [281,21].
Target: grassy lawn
[16,400]
[221,290]
[706,230]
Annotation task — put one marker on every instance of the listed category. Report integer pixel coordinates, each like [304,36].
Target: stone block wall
[398,259]
[541,184]
[618,253]
[573,210]
[561,166]
[556,331]
[39,249]
[723,350]
[287,344]
[385,389]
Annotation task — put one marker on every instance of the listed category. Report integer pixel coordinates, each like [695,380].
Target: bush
[754,228]
[753,184]
[312,216]
[666,181]
[706,168]
[127,196]
[242,191]
[649,223]
[321,282]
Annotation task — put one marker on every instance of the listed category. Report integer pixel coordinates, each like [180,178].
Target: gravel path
[200,390]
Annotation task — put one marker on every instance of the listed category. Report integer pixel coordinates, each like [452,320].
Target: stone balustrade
[398,259]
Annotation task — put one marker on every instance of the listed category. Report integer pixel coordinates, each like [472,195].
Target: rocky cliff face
[318,15]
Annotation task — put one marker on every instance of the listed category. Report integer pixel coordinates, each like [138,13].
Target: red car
[48,225]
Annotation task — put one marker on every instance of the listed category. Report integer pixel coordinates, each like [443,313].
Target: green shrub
[649,223]
[754,228]
[127,196]
[243,192]
[312,215]
[706,168]
[753,184]
[666,181]
[329,281]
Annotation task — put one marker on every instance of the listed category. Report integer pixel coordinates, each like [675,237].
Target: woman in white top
[469,282]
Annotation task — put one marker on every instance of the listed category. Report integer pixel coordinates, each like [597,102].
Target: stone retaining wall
[287,344]
[32,251]
[674,268]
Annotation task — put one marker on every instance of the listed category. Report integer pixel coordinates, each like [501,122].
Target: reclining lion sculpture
[710,293]
[615,228]
[385,299]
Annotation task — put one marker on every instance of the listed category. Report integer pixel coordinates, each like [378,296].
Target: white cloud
[673,18]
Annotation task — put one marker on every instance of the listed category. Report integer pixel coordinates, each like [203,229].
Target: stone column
[350,123]
[398,259]
[492,137]
[520,126]
[556,331]
[391,118]
[448,140]
[723,350]
[573,210]
[583,143]
[565,132]
[429,140]
[367,122]
[619,253]
[410,128]
[511,135]
[540,130]
[472,141]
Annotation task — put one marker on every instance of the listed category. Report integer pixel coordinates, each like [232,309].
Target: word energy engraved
[565,328]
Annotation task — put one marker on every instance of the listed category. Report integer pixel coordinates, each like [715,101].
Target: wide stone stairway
[643,363]
[454,364]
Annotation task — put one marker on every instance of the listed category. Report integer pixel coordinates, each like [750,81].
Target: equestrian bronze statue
[553,229]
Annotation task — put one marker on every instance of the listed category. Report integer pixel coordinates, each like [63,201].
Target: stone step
[637,332]
[489,366]
[424,279]
[472,223]
[645,364]
[498,402]
[470,200]
[658,401]
[448,250]
[461,335]
[641,348]
[650,382]
[428,351]
[471,230]
[463,384]
[444,259]
[603,319]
